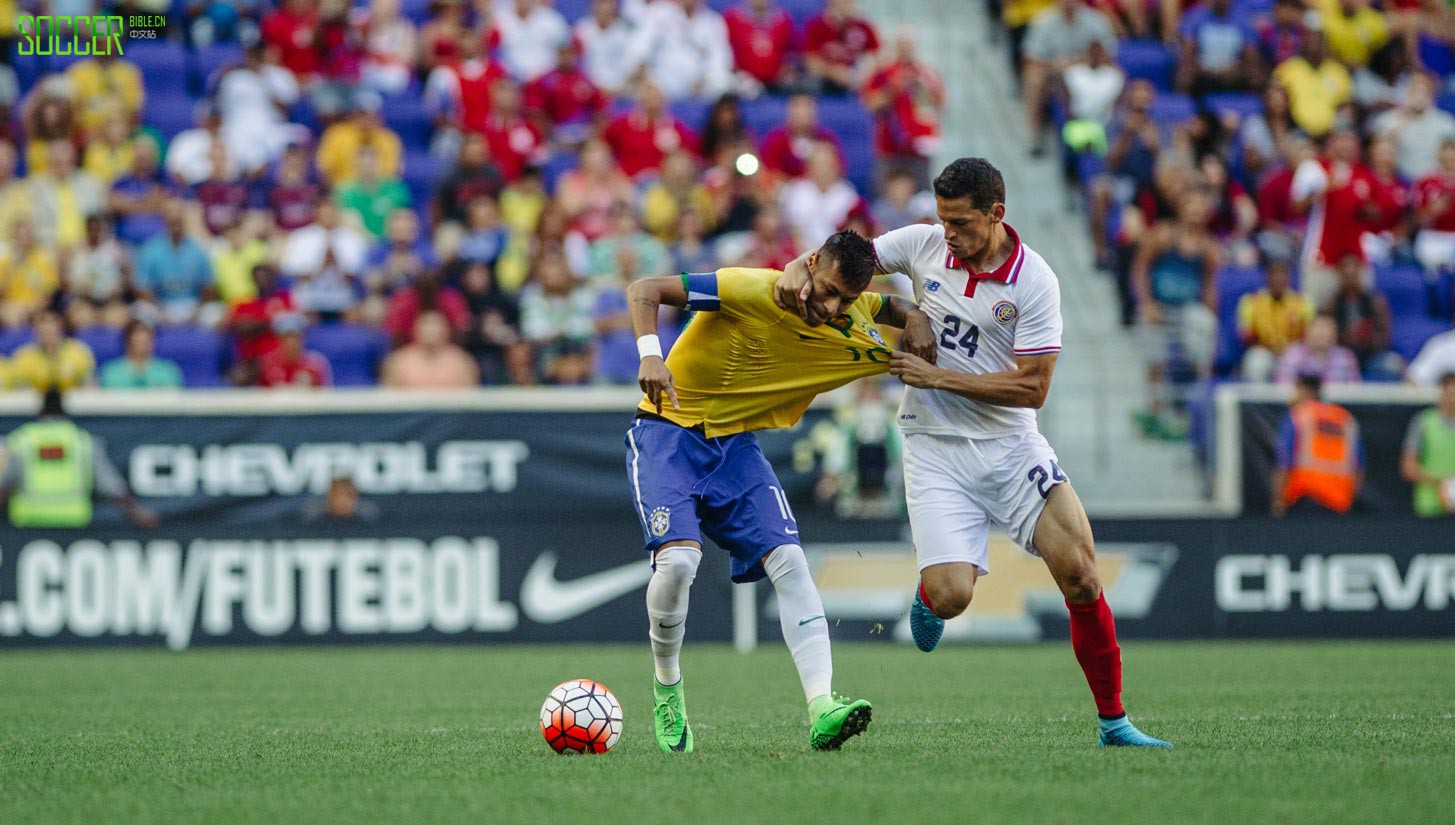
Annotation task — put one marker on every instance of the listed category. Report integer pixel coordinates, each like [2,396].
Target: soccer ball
[581,716]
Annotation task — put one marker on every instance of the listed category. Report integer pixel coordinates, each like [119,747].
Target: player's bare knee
[949,597]
[1080,583]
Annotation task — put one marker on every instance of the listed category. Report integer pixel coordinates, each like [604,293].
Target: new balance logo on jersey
[932,286]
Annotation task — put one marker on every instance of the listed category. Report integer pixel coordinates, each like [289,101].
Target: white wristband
[649,345]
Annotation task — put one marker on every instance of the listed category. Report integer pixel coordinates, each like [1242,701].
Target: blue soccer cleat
[924,625]
[1121,733]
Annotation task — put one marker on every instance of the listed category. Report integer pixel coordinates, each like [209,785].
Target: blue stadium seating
[199,352]
[1241,104]
[15,338]
[163,64]
[353,352]
[1404,288]
[1147,60]
[1171,109]
[1410,334]
[170,112]
[409,119]
[421,171]
[106,344]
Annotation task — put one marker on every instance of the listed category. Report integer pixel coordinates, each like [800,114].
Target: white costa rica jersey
[982,322]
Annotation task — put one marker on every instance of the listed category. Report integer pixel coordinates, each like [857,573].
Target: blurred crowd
[281,240]
[1271,181]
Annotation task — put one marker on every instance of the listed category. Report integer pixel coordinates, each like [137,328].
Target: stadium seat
[692,112]
[1447,102]
[1244,105]
[1437,57]
[1171,109]
[106,344]
[574,10]
[199,352]
[1411,333]
[421,171]
[557,165]
[1404,287]
[169,111]
[208,60]
[418,10]
[1236,281]
[15,338]
[408,118]
[353,352]
[162,63]
[1147,60]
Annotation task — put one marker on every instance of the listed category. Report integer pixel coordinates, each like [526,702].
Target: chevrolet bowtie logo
[875,582]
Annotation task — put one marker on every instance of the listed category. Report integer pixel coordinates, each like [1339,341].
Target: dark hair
[51,403]
[973,178]
[133,326]
[1446,379]
[854,255]
[1311,382]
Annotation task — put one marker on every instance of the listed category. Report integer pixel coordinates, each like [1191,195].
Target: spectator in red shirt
[787,148]
[905,97]
[457,93]
[292,29]
[1388,215]
[642,137]
[761,36]
[1335,190]
[251,324]
[428,293]
[1435,205]
[837,46]
[1276,210]
[564,101]
[289,365]
[514,141]
[222,198]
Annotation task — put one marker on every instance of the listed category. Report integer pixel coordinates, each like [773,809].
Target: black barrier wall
[521,527]
[1382,426]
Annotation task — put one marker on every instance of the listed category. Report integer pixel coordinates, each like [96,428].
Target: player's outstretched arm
[1025,386]
[919,335]
[644,298]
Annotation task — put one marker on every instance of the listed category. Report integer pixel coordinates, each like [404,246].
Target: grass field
[1318,733]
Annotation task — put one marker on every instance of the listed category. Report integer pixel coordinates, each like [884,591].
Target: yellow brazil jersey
[744,364]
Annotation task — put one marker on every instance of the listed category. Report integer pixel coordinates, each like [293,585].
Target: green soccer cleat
[837,720]
[670,718]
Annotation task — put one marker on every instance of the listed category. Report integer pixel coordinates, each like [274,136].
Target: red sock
[925,599]
[1094,638]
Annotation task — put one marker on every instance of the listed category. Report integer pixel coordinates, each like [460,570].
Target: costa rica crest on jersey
[1005,313]
[660,521]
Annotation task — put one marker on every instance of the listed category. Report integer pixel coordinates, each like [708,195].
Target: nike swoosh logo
[669,626]
[548,601]
[814,619]
[681,743]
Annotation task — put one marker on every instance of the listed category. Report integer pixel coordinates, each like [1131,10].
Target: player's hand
[913,370]
[656,381]
[794,288]
[919,336]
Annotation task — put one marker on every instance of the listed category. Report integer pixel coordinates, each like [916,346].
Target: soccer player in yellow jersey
[695,467]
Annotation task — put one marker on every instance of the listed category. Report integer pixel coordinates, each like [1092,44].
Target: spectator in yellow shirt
[338,149]
[1317,86]
[1271,319]
[29,275]
[111,151]
[54,361]
[14,192]
[677,189]
[101,82]
[1354,30]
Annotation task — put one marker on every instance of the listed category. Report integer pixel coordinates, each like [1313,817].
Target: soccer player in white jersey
[973,455]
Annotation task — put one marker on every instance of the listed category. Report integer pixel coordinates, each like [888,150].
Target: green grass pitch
[1265,733]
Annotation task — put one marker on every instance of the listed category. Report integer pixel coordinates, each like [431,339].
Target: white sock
[805,627]
[676,567]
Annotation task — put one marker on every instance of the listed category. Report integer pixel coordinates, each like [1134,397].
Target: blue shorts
[685,484]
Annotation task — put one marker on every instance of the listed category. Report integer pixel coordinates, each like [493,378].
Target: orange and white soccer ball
[581,716]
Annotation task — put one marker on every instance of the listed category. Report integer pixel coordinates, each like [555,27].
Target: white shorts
[957,487]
